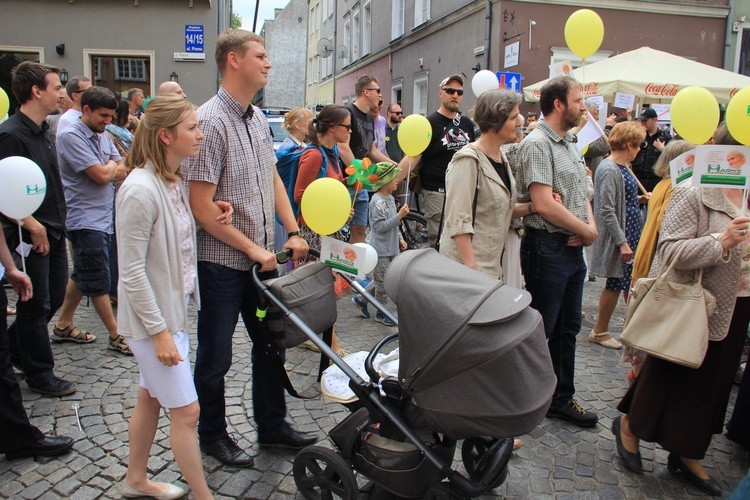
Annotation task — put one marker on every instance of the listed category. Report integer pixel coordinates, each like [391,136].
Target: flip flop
[66,335]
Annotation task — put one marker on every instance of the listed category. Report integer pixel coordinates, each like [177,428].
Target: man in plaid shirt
[236,163]
[554,236]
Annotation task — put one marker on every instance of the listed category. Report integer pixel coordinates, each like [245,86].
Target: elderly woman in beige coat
[678,407]
[480,192]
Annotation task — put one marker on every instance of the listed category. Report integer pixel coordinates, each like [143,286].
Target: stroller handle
[369,368]
[281,258]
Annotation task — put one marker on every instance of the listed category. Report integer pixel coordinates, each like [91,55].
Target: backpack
[287,165]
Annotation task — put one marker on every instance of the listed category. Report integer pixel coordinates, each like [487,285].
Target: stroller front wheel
[322,473]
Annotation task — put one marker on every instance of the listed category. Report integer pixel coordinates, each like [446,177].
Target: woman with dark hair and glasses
[333,125]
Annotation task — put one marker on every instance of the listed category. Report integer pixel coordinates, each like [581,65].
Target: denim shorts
[360,207]
[91,261]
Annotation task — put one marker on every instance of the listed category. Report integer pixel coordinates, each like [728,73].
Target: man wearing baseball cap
[656,140]
[450,132]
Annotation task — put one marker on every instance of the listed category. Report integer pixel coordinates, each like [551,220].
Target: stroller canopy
[473,354]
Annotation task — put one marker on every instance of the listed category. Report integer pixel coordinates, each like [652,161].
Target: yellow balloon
[738,116]
[4,103]
[695,114]
[414,134]
[326,205]
[584,32]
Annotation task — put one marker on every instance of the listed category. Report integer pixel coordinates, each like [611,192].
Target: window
[98,66]
[327,9]
[120,70]
[310,71]
[356,35]
[560,54]
[327,64]
[397,91]
[127,69]
[397,19]
[366,29]
[421,12]
[420,95]
[10,57]
[347,40]
[742,62]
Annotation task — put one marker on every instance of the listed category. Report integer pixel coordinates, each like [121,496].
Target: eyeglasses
[347,127]
[396,112]
[375,89]
[453,91]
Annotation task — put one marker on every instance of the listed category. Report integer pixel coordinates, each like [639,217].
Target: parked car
[275,118]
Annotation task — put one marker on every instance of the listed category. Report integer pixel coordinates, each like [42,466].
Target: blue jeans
[554,274]
[225,294]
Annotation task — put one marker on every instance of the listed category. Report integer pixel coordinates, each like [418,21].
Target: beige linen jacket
[699,216]
[468,170]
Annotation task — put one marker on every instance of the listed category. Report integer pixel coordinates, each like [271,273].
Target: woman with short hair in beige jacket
[480,192]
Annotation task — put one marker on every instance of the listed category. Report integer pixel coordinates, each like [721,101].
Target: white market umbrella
[651,75]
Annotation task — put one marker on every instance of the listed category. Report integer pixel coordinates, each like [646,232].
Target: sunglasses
[453,91]
[375,89]
[397,113]
[347,127]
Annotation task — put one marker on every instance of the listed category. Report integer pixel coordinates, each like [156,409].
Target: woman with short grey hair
[480,192]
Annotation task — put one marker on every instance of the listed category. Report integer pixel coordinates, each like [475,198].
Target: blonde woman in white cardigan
[158,277]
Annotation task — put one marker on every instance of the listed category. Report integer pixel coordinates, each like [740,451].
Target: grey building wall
[286,44]
[118,26]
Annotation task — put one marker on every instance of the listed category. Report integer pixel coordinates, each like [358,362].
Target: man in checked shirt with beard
[554,236]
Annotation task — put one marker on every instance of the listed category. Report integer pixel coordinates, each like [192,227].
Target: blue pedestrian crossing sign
[510,81]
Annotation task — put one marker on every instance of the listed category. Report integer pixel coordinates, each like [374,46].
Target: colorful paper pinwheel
[361,174]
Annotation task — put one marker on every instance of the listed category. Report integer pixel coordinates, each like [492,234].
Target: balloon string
[20,238]
[408,177]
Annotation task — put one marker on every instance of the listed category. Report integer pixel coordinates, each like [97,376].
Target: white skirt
[173,386]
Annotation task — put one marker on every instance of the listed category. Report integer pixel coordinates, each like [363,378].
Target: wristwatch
[293,233]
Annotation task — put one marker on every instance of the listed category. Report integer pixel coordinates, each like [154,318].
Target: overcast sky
[246,10]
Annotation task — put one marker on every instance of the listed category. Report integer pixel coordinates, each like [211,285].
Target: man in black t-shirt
[450,132]
[362,144]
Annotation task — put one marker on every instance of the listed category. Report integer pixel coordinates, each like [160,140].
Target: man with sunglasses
[74,89]
[394,119]
[362,144]
[450,132]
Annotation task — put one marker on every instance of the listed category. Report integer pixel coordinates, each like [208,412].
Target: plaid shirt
[237,156]
[549,159]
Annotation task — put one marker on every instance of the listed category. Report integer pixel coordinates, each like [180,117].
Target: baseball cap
[457,78]
[648,113]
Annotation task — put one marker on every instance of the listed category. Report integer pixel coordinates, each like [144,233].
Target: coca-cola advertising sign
[590,89]
[662,90]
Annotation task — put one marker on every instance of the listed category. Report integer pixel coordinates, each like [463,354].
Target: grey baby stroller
[474,365]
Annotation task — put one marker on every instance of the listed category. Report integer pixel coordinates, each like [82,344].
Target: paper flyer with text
[721,166]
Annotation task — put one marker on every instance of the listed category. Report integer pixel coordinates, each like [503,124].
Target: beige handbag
[669,320]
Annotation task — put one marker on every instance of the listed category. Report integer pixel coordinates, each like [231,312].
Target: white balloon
[371,256]
[484,80]
[22,187]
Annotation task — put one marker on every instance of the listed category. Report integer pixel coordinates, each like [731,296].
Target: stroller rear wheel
[320,473]
[474,453]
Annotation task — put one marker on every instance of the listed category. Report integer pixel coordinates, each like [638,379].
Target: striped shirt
[546,158]
[237,156]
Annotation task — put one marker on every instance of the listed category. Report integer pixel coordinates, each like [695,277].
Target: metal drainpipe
[487,32]
[728,59]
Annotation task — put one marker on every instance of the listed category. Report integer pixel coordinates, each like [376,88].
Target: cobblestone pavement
[557,460]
